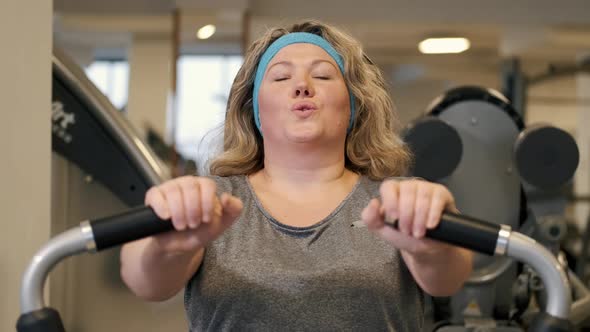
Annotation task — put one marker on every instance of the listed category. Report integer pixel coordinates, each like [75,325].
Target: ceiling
[389,29]
[538,32]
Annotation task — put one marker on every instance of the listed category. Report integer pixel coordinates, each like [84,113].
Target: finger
[394,237]
[177,241]
[421,208]
[406,242]
[197,238]
[157,201]
[407,199]
[389,191]
[192,200]
[450,206]
[231,208]
[208,198]
[371,215]
[173,195]
[441,197]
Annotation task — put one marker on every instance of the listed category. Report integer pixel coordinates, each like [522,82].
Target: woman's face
[303,97]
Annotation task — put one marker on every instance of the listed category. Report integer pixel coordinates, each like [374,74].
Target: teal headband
[276,46]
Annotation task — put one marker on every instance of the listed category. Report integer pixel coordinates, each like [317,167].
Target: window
[112,79]
[203,89]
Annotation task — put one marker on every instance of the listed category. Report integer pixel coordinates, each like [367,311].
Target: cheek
[267,100]
[340,102]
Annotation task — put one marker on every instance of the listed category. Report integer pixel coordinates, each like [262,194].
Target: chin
[303,132]
[303,137]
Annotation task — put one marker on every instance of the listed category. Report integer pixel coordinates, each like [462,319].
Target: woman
[289,233]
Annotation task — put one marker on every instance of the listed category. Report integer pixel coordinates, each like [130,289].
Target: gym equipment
[100,166]
[113,231]
[501,165]
[437,148]
[90,132]
[93,236]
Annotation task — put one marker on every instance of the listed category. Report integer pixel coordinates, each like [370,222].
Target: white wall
[554,101]
[25,92]
[150,61]
[582,177]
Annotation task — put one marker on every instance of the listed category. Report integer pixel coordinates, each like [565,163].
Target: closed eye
[322,77]
[281,79]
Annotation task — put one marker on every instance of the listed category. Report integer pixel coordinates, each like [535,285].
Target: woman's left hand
[417,205]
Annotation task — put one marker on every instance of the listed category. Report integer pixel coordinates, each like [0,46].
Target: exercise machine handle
[90,236]
[127,227]
[464,231]
[467,232]
[494,239]
[460,230]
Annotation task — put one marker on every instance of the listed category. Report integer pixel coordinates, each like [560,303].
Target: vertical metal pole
[245,42]
[173,87]
[514,84]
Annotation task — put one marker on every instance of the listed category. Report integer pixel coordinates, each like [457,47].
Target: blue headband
[276,46]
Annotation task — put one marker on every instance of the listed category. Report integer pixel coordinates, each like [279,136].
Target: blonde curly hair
[373,146]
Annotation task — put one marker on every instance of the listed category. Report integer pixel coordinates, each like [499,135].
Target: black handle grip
[42,320]
[466,232]
[460,230]
[129,226]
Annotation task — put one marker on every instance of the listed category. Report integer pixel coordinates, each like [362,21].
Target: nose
[303,88]
[305,92]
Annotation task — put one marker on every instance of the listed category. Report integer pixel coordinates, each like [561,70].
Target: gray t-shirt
[262,275]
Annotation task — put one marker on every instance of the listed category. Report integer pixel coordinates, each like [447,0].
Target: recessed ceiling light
[444,45]
[206,31]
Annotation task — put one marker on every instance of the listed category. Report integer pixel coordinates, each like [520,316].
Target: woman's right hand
[198,215]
